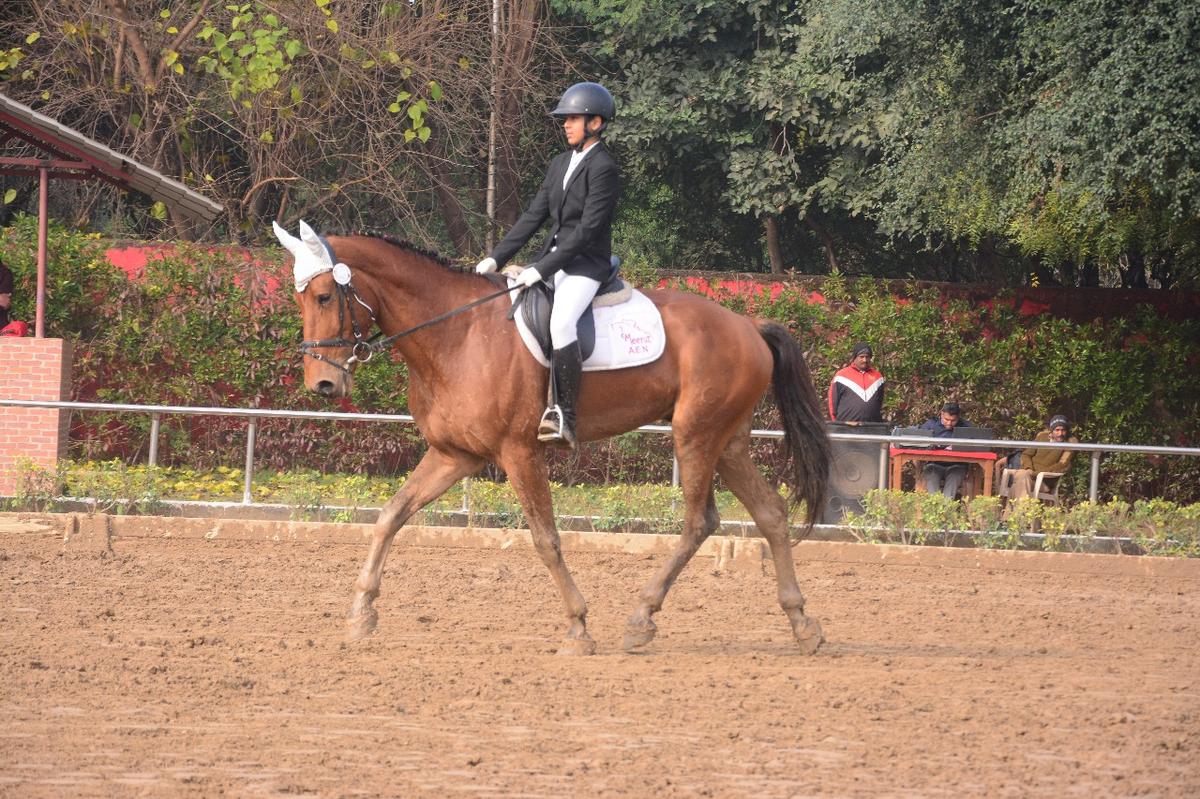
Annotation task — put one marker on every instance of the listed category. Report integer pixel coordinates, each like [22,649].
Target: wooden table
[900,456]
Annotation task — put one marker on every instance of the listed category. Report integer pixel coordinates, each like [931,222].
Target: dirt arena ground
[216,668]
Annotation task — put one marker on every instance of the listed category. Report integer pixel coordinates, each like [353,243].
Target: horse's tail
[805,443]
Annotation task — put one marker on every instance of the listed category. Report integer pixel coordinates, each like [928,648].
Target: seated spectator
[856,391]
[6,292]
[942,476]
[1036,459]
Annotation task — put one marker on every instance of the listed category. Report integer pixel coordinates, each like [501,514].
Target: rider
[579,197]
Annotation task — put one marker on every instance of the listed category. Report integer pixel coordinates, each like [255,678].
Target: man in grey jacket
[944,476]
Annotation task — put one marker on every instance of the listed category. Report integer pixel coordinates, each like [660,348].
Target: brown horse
[477,395]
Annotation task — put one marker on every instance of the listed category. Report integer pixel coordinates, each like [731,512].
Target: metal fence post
[251,433]
[155,418]
[883,465]
[1094,483]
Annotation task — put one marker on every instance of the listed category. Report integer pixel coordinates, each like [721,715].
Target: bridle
[362,349]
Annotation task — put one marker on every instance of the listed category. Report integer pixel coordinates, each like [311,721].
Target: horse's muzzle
[333,389]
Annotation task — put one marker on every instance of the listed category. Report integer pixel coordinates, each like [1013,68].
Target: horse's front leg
[436,472]
[527,473]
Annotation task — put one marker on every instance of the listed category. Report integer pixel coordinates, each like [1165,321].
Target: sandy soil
[209,668]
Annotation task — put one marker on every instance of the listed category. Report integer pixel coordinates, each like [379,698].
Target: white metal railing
[252,415]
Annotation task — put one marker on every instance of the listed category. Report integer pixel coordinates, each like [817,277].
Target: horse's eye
[323,299]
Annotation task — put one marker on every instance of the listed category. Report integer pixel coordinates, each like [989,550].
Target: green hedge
[203,327]
[1150,527]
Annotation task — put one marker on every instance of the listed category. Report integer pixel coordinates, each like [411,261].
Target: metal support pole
[251,433]
[674,472]
[39,324]
[466,488]
[1094,484]
[155,419]
[883,465]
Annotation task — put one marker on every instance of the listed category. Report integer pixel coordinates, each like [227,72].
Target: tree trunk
[826,240]
[1133,271]
[453,215]
[1089,274]
[508,177]
[520,26]
[1162,269]
[771,226]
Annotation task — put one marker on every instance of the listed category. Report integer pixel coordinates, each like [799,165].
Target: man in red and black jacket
[856,391]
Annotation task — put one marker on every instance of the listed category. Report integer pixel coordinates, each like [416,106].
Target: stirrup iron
[551,426]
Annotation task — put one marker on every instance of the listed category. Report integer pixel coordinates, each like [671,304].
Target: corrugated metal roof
[67,142]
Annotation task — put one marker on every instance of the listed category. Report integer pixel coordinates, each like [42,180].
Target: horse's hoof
[637,637]
[361,626]
[808,636]
[577,646]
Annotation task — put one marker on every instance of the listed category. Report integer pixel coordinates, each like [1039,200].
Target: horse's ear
[289,242]
[309,253]
[314,244]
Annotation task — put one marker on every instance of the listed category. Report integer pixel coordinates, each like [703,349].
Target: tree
[1062,139]
[722,87]
[1069,130]
[373,115]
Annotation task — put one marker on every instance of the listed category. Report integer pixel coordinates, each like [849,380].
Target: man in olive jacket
[1036,459]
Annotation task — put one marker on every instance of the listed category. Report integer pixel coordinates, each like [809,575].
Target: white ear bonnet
[313,256]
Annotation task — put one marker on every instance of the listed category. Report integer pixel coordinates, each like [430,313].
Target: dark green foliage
[1048,141]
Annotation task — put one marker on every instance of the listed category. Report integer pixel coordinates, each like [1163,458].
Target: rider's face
[577,128]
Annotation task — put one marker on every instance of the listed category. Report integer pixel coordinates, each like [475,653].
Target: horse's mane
[408,246]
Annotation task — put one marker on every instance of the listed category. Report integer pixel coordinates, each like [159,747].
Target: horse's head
[336,318]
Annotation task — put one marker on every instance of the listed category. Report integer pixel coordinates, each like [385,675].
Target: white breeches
[572,295]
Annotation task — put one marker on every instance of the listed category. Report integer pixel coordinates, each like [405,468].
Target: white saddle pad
[628,334]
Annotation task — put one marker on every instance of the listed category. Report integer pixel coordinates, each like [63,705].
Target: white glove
[529,275]
[486,265]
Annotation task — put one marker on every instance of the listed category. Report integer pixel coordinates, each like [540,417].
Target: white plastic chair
[1044,493]
[1045,485]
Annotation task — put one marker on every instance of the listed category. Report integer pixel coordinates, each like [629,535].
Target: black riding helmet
[589,99]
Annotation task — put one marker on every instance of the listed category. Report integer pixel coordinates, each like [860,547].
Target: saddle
[535,303]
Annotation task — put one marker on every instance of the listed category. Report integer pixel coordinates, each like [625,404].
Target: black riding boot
[558,422]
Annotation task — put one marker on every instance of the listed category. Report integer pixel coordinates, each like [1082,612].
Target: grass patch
[114,486]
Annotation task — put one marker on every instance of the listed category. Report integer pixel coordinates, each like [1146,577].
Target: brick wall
[32,369]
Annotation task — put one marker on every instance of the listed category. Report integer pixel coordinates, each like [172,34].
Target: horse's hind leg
[700,521]
[769,511]
[436,472]
[530,479]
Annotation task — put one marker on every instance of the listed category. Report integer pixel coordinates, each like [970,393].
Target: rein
[363,349]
